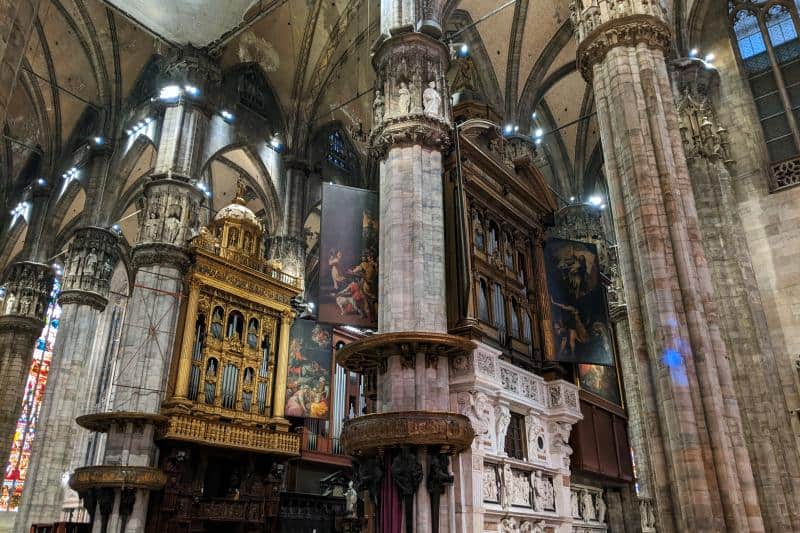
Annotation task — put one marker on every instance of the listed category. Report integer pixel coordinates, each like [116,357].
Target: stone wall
[771,221]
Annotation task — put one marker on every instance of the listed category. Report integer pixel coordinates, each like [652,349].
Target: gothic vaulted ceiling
[316,57]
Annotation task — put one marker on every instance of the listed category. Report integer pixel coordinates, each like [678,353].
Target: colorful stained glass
[17,465]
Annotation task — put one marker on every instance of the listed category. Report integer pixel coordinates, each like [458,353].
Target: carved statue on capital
[411,103]
[90,263]
[28,286]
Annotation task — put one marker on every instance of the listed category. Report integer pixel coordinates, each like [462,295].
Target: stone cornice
[81,297]
[420,129]
[21,324]
[626,31]
[150,254]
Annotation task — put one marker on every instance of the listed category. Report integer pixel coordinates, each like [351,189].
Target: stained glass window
[338,154]
[19,458]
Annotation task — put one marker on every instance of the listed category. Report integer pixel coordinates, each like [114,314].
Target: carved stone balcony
[226,435]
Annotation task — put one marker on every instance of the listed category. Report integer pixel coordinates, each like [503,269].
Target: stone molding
[368,434]
[373,352]
[21,324]
[113,476]
[626,31]
[144,255]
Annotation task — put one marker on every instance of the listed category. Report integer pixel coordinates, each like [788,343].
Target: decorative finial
[241,191]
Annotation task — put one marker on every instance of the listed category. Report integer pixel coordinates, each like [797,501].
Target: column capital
[595,41]
[169,216]
[412,103]
[90,263]
[28,285]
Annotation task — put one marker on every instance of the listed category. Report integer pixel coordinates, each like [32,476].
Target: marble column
[764,397]
[27,285]
[169,216]
[411,128]
[60,444]
[289,246]
[672,311]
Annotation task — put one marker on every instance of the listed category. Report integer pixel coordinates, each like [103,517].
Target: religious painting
[581,331]
[308,380]
[348,281]
[600,380]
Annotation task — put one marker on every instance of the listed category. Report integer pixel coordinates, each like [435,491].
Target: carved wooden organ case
[497,203]
[231,322]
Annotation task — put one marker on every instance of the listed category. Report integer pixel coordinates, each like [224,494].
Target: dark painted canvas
[578,301]
[348,282]
[600,380]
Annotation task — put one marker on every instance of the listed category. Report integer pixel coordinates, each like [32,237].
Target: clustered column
[289,245]
[27,285]
[410,355]
[705,480]
[58,447]
[169,215]
[760,388]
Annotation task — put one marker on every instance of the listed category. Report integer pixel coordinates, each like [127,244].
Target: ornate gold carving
[365,435]
[369,353]
[227,435]
[130,477]
[627,31]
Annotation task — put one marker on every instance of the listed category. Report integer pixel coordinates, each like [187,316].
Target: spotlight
[464,50]
[226,115]
[41,182]
[533,115]
[595,200]
[571,198]
[170,92]
[538,133]
[191,90]
[516,129]
[539,140]
[709,58]
[116,229]
[508,129]
[602,206]
[693,52]
[99,141]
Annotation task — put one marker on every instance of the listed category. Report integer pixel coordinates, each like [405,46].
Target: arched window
[477,231]
[493,238]
[766,35]
[338,154]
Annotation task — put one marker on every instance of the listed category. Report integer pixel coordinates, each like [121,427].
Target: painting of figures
[308,380]
[348,283]
[578,302]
